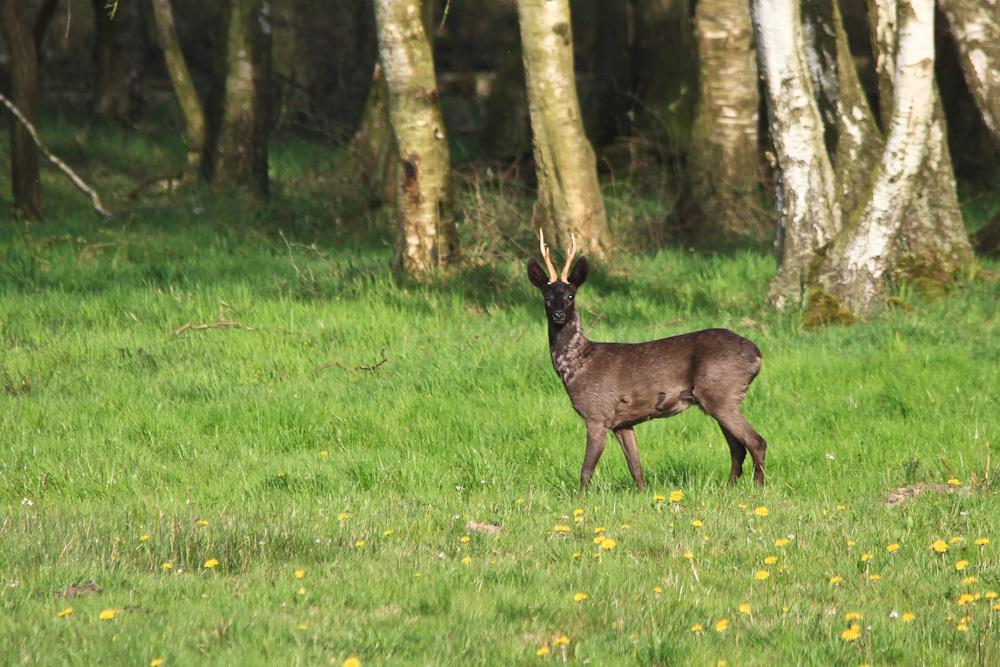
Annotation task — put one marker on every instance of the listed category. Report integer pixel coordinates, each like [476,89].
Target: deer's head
[559,291]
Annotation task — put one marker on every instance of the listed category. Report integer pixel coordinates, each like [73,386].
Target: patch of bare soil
[904,493]
[86,588]
[488,528]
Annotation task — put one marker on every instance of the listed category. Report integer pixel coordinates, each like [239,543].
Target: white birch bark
[808,206]
[856,267]
[975,24]
[427,237]
[569,195]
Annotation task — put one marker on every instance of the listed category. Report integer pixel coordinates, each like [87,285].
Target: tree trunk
[117,59]
[427,235]
[372,151]
[25,183]
[569,195]
[975,25]
[665,73]
[507,133]
[241,152]
[857,265]
[603,67]
[807,203]
[183,84]
[725,136]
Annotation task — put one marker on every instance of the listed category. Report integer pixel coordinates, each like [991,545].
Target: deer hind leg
[597,436]
[626,437]
[737,424]
[738,453]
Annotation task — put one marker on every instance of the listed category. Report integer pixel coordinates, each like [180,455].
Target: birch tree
[569,195]
[25,184]
[975,24]
[427,237]
[885,198]
[240,157]
[725,129]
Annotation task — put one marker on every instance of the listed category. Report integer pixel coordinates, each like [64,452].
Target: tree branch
[65,168]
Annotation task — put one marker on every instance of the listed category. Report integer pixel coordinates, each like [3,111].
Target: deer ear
[578,275]
[536,274]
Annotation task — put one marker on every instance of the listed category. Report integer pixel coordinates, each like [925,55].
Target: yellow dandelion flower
[109,614]
[866,557]
[853,616]
[578,519]
[965,598]
[781,542]
[982,541]
[166,565]
[201,522]
[990,595]
[996,607]
[302,590]
[388,533]
[676,496]
[954,481]
[908,617]
[343,516]
[598,530]
[353,661]
[625,526]
[744,608]
[841,508]
[417,574]
[762,575]
[300,574]
[580,597]
[658,498]
[697,627]
[560,528]
[359,544]
[760,511]
[657,590]
[770,560]
[598,539]
[874,577]
[561,640]
[956,539]
[836,579]
[608,544]
[961,565]
[892,548]
[578,511]
[850,543]
[852,633]
[144,537]
[577,554]
[68,611]
[543,651]
[939,546]
[688,555]
[156,662]
[967,581]
[721,624]
[303,626]
[324,452]
[962,627]
[697,523]
[742,506]
[467,560]
[210,563]
[465,539]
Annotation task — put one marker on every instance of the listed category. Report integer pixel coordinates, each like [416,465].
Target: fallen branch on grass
[371,368]
[222,324]
[65,168]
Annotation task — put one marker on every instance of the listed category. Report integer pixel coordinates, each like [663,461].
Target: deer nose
[559,315]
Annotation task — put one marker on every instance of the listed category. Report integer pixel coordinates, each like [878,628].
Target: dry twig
[371,368]
[190,326]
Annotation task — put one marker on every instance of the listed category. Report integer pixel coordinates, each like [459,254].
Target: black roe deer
[615,386]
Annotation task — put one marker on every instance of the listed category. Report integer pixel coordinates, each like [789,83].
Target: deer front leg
[597,436]
[626,437]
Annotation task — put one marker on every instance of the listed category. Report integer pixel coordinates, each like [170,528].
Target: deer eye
[570,297]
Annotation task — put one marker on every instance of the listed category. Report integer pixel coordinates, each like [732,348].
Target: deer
[615,386]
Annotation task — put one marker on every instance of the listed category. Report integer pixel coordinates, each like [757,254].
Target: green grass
[115,428]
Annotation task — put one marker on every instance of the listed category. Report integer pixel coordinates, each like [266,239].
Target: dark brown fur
[614,386]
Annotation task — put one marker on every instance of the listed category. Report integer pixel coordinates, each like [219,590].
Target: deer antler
[547,256]
[569,259]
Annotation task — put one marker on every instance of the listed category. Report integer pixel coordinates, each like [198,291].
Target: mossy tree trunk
[725,131]
[372,151]
[569,195]
[25,184]
[975,25]
[427,237]
[240,158]
[183,84]
[808,204]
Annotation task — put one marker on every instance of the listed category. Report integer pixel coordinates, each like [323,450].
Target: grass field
[254,495]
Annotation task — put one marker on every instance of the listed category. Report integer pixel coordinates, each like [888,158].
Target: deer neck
[569,348]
